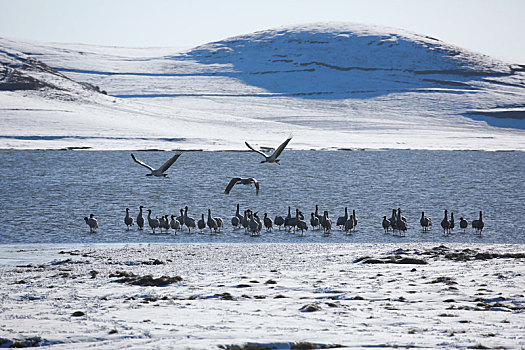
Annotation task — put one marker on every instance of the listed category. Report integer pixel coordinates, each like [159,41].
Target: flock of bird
[272,158]
[251,222]
[399,223]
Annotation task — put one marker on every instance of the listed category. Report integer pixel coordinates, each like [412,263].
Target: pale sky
[493,27]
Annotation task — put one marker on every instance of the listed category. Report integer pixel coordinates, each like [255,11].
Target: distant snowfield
[203,296]
[330,85]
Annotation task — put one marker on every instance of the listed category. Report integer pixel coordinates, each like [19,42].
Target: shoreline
[235,150]
[425,243]
[12,251]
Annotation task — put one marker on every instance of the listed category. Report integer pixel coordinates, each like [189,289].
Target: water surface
[46,194]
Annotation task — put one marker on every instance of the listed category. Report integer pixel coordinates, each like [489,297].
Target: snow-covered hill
[321,61]
[333,85]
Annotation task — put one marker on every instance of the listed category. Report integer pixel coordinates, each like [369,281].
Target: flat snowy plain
[331,86]
[274,295]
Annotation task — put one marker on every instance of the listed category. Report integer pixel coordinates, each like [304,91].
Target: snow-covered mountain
[334,85]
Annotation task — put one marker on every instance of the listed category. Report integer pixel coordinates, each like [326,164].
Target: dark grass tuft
[291,346]
[147,280]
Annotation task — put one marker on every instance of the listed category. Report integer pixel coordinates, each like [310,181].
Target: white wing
[169,163]
[255,150]
[281,148]
[231,184]
[141,163]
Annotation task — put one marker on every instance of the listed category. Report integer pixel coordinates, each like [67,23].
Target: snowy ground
[275,295]
[331,86]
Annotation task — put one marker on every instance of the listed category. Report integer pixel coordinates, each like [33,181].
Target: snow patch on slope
[331,85]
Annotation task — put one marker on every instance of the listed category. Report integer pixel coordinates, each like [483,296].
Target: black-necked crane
[254,225]
[243,181]
[188,220]
[349,224]
[175,224]
[393,221]
[355,218]
[92,223]
[317,215]
[425,221]
[341,221]
[268,222]
[140,219]
[220,223]
[445,224]
[237,218]
[478,224]
[180,218]
[164,223]
[246,220]
[314,221]
[385,224]
[128,220]
[273,157]
[326,223]
[279,221]
[160,171]
[301,224]
[212,224]
[463,223]
[288,220]
[153,222]
[201,223]
[401,222]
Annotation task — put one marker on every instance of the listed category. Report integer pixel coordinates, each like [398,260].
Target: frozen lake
[46,194]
